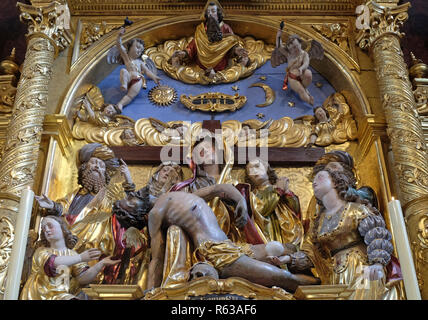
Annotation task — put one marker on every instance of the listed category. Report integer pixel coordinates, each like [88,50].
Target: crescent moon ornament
[269,94]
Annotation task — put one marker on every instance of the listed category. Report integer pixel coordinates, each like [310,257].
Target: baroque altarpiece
[67,94]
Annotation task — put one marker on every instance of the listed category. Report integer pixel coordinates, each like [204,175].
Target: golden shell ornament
[163,95]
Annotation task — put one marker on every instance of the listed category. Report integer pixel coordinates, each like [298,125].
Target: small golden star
[291,104]
[318,84]
[260,115]
[263,78]
[235,88]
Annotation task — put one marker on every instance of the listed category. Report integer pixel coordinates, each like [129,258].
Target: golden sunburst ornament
[163,95]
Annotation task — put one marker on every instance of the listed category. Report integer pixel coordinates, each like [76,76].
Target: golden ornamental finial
[418,69]
[414,59]
[9,64]
[13,53]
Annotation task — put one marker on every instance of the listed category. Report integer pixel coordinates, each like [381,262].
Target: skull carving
[203,269]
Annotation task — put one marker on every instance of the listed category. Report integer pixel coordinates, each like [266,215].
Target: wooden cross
[277,156]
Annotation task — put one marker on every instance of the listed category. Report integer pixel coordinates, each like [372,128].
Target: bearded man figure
[214,43]
[88,209]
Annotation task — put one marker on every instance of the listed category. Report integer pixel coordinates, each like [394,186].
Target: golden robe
[221,254]
[339,254]
[93,225]
[40,286]
[325,133]
[275,216]
[211,53]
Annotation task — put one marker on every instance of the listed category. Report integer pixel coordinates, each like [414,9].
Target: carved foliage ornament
[48,21]
[383,20]
[210,287]
[421,97]
[92,32]
[6,241]
[335,32]
[7,97]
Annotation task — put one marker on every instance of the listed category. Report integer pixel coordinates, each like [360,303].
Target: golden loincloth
[221,254]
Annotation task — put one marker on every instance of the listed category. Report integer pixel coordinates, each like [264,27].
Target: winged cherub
[136,66]
[298,76]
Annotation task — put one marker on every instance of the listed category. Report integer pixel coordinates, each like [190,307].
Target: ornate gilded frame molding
[259,7]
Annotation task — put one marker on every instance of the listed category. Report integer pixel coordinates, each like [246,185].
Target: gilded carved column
[404,126]
[45,38]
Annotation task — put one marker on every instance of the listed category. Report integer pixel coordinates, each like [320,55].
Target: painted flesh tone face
[136,50]
[52,230]
[257,172]
[97,167]
[167,173]
[212,12]
[109,110]
[294,47]
[321,115]
[322,184]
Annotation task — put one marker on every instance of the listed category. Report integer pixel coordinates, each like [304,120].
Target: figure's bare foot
[124,88]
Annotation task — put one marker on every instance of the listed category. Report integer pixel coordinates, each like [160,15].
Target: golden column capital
[47,20]
[384,20]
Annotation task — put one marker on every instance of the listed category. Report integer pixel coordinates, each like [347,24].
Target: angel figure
[129,138]
[298,76]
[136,66]
[332,122]
[173,133]
[323,128]
[100,117]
